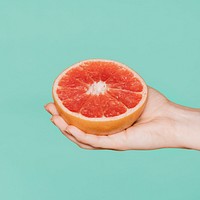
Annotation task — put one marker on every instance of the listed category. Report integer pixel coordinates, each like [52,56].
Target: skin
[163,124]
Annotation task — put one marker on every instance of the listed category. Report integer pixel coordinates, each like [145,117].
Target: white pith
[99,88]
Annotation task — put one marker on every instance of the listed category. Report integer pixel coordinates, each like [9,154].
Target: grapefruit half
[99,96]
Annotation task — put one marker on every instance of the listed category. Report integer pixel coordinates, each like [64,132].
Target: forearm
[187,128]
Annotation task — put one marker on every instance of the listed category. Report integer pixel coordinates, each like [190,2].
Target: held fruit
[99,96]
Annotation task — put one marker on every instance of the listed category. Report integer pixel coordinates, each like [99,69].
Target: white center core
[97,88]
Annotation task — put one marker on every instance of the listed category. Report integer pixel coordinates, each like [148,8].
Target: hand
[163,124]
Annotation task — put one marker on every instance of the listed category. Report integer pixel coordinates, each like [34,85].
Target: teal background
[38,39]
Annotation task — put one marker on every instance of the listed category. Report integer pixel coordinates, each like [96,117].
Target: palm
[146,133]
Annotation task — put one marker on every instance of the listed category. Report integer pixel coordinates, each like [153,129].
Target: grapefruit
[99,96]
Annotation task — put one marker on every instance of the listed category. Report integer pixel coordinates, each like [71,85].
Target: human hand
[163,124]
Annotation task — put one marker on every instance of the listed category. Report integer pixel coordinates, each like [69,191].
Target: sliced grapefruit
[99,96]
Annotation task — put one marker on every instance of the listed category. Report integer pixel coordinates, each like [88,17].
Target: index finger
[51,108]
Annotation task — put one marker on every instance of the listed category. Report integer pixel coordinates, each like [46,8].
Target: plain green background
[160,39]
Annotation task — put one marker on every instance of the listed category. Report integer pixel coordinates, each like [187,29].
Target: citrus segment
[70,92]
[99,71]
[124,79]
[92,107]
[111,106]
[128,98]
[68,81]
[93,70]
[108,69]
[81,75]
[75,107]
[131,84]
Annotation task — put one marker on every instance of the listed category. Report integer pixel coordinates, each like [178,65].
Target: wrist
[187,126]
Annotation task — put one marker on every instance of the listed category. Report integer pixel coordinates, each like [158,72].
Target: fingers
[114,142]
[59,122]
[62,125]
[51,108]
[81,145]
[133,138]
[83,140]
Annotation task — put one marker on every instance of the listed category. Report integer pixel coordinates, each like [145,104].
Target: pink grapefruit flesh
[99,96]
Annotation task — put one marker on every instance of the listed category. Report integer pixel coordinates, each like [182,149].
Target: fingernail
[67,131]
[45,107]
[52,120]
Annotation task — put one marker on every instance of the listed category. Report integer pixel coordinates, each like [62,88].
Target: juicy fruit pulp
[99,89]
[99,96]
